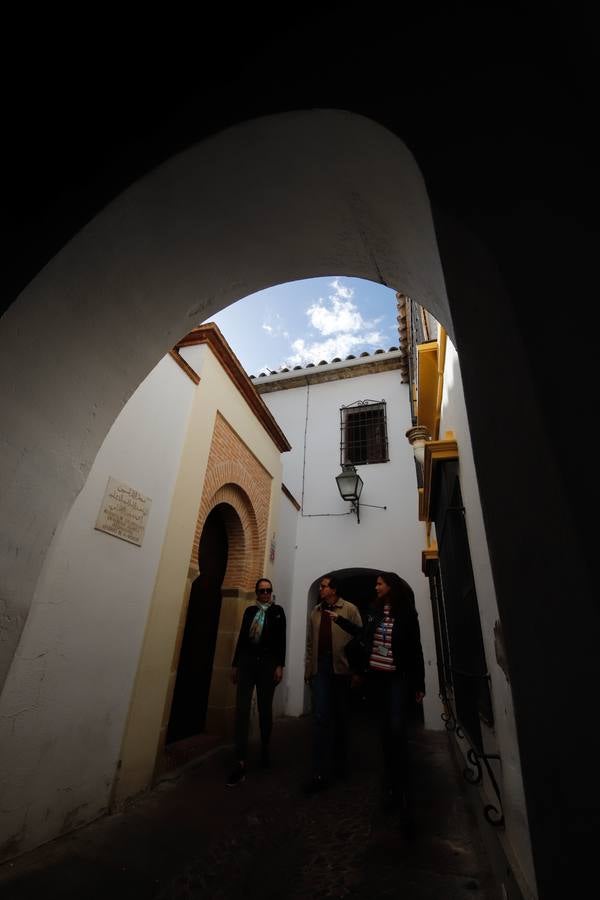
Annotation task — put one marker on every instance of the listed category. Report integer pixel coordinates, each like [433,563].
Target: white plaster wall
[391,539]
[454,418]
[67,695]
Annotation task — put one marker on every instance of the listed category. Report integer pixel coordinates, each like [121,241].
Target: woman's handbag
[357,653]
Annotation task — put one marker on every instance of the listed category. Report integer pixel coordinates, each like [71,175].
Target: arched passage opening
[334,193]
[356,585]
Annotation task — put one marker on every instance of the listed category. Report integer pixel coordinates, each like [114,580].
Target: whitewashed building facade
[310,404]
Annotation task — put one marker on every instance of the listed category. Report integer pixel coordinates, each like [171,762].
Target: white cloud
[340,316]
[341,290]
[342,325]
[373,337]
[341,345]
[267,328]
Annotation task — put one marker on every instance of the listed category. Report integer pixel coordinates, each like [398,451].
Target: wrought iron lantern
[350,485]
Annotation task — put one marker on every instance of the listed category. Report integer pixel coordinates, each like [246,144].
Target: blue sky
[307,321]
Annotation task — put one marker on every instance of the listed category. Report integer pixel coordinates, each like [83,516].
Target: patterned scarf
[258,621]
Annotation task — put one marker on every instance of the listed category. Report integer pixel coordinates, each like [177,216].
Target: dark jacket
[271,647]
[406,643]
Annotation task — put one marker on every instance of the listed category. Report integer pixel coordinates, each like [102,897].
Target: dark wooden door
[190,698]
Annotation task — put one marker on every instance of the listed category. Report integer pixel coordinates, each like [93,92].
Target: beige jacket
[339,638]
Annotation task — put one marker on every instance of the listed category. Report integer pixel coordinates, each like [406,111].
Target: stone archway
[204,226]
[246,529]
[188,233]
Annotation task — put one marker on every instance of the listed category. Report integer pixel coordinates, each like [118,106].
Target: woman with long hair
[392,663]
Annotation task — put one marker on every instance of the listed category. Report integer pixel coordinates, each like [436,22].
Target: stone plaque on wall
[124,512]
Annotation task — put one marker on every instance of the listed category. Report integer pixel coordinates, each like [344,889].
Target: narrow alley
[192,837]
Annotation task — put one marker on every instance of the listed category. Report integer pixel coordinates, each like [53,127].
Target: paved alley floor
[192,837]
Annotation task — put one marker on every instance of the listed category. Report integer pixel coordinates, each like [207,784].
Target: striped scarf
[258,621]
[382,657]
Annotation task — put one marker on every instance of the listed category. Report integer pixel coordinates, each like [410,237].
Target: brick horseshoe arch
[235,476]
[245,531]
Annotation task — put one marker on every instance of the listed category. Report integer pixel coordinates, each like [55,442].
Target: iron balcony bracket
[473,773]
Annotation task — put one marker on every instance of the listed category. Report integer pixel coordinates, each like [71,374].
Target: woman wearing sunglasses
[258,662]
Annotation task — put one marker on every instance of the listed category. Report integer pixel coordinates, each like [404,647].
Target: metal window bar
[470,680]
[436,591]
[464,680]
[363,433]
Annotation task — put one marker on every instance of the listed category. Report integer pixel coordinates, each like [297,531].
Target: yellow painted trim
[435,452]
[428,556]
[427,386]
[429,542]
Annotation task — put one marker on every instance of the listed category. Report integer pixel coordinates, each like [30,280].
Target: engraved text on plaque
[124,512]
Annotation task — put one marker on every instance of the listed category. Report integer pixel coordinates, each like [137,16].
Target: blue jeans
[330,706]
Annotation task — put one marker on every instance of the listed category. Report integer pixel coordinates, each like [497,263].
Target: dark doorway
[358,589]
[190,698]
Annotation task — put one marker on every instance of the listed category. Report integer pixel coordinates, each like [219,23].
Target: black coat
[406,643]
[271,647]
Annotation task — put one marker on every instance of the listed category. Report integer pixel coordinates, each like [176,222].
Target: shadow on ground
[192,837]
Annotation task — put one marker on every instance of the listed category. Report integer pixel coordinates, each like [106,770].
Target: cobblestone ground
[192,837]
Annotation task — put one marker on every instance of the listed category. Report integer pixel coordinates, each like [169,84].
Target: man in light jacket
[328,673]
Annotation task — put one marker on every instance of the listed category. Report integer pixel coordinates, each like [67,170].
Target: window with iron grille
[464,663]
[363,437]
